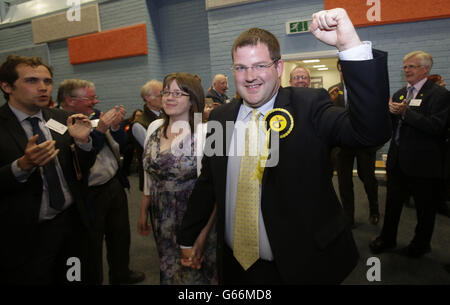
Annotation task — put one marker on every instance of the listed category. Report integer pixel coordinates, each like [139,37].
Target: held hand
[37,155]
[191,259]
[334,28]
[79,127]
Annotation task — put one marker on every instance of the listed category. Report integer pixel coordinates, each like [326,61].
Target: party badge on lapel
[401,97]
[279,120]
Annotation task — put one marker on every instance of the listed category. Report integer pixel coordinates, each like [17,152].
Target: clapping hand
[112,118]
[79,127]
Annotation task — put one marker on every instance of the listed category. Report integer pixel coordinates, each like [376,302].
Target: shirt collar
[247,110]
[21,116]
[418,85]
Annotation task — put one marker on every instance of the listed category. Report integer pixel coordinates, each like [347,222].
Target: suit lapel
[283,101]
[12,125]
[423,93]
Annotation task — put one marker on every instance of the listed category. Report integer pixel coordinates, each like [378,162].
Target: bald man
[300,77]
[218,89]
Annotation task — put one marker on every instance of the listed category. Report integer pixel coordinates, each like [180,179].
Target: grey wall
[177,41]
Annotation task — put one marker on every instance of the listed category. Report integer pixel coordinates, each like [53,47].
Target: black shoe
[413,251]
[374,219]
[378,246]
[133,278]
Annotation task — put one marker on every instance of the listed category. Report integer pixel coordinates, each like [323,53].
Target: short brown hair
[191,85]
[8,72]
[253,36]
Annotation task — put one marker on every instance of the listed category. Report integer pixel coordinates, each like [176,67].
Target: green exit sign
[294,27]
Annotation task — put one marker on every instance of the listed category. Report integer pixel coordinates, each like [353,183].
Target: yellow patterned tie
[246,236]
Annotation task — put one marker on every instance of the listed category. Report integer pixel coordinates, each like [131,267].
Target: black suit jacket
[20,202]
[422,134]
[306,227]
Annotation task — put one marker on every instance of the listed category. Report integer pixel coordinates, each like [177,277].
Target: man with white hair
[300,77]
[218,89]
[415,164]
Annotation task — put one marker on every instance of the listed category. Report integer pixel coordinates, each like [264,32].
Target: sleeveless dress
[172,177]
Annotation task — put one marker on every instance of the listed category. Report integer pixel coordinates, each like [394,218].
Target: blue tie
[55,193]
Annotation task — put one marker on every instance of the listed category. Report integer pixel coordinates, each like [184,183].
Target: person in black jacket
[300,234]
[415,163]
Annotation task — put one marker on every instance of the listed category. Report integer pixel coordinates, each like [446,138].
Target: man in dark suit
[344,159]
[218,90]
[301,232]
[42,178]
[151,95]
[415,164]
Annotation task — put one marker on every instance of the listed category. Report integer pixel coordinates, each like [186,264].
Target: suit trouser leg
[425,193]
[55,241]
[345,159]
[397,193]
[366,173]
[117,234]
[111,223]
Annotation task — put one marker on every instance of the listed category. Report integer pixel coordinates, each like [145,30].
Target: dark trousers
[424,191]
[54,242]
[260,273]
[112,224]
[365,159]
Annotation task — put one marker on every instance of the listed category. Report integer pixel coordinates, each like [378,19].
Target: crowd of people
[251,204]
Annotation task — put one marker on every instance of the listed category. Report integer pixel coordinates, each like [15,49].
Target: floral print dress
[172,177]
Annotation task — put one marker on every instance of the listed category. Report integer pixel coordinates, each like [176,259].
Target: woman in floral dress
[171,168]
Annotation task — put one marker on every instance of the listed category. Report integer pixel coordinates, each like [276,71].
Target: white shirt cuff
[361,52]
[185,247]
[85,146]
[20,174]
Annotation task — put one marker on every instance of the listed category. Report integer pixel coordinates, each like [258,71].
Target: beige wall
[329,77]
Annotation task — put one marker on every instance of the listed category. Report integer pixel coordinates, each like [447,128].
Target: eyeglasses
[299,77]
[175,94]
[411,67]
[90,98]
[255,68]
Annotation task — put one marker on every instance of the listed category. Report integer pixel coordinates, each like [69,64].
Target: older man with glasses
[415,163]
[300,77]
[106,195]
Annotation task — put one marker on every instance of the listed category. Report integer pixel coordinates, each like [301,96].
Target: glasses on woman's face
[175,94]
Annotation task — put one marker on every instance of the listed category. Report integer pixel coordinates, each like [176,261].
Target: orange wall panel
[392,11]
[116,43]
